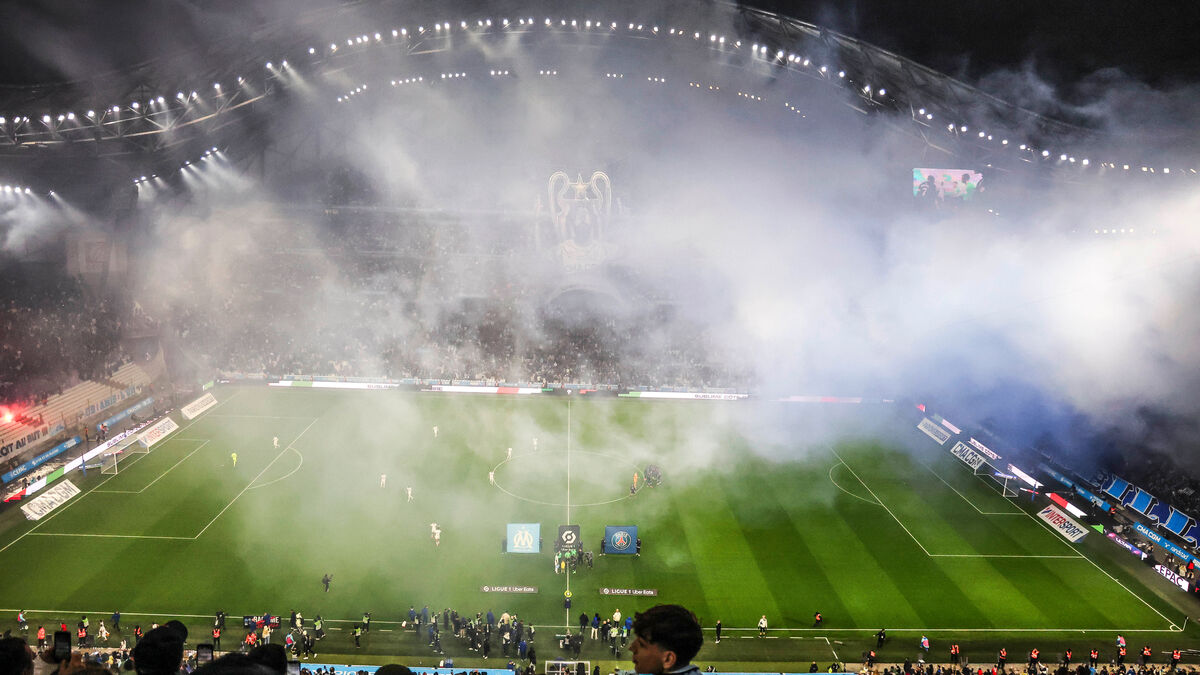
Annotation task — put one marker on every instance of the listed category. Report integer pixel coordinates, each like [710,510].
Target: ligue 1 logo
[620,540]
[568,537]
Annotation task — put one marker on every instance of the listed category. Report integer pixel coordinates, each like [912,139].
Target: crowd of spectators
[395,296]
[1162,476]
[55,333]
[430,301]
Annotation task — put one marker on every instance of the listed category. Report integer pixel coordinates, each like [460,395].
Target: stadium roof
[137,65]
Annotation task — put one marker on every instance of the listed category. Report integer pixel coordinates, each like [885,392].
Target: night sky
[1062,41]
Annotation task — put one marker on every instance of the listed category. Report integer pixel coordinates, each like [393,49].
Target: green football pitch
[765,508]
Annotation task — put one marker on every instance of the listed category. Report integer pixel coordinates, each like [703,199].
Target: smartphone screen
[62,645]
[293,668]
[204,653]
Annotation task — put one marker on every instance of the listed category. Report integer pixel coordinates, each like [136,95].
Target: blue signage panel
[620,539]
[523,538]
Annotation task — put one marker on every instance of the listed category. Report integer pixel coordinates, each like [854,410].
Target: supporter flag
[620,539]
[523,538]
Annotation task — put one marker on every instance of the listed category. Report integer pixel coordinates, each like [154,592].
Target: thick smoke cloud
[790,242]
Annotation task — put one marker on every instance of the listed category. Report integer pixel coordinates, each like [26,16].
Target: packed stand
[428,300]
[55,333]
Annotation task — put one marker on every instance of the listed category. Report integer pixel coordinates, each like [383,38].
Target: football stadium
[410,337]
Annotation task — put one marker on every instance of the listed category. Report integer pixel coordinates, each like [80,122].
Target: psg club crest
[620,539]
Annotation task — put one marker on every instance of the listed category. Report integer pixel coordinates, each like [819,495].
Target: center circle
[595,478]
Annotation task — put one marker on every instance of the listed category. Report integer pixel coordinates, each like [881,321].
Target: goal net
[125,447]
[568,667]
[983,468]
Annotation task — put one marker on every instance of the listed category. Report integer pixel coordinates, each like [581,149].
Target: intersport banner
[1063,524]
[193,409]
[49,500]
[967,455]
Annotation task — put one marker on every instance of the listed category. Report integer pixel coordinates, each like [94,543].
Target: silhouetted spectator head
[272,656]
[16,658]
[667,637]
[236,663]
[161,650]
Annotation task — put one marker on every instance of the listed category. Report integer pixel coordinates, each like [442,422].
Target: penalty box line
[76,501]
[880,501]
[1075,555]
[968,501]
[260,473]
[160,476]
[205,528]
[1105,573]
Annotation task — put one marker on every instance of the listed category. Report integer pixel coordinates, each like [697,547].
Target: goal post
[568,667]
[111,459]
[982,467]
[1000,482]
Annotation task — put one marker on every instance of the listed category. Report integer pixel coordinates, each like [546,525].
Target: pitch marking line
[955,555]
[567,592]
[105,536]
[267,416]
[964,498]
[885,507]
[160,476]
[287,475]
[1106,630]
[501,488]
[1102,570]
[260,473]
[80,497]
[835,655]
[1004,555]
[835,484]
